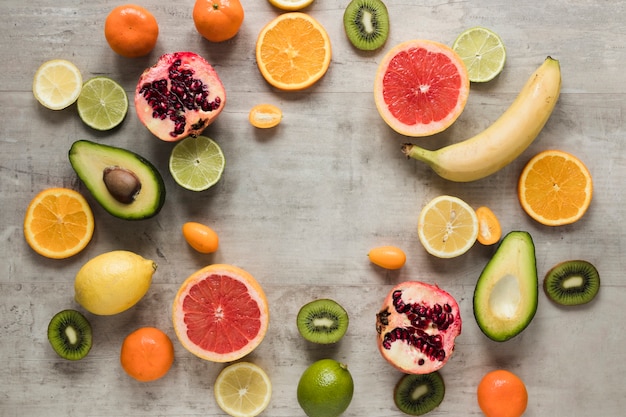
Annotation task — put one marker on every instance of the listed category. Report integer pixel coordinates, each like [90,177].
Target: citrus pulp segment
[57,84]
[102,103]
[555,188]
[447,226]
[220,313]
[293,51]
[58,223]
[243,389]
[483,52]
[421,87]
[197,163]
[290,5]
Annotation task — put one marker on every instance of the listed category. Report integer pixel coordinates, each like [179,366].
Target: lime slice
[197,163]
[102,103]
[57,84]
[483,53]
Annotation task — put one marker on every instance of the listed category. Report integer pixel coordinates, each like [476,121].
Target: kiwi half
[418,394]
[322,321]
[572,283]
[69,333]
[366,23]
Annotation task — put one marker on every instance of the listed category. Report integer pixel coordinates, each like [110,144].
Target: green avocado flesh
[125,184]
[506,294]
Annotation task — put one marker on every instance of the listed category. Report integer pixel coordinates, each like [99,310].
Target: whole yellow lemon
[113,282]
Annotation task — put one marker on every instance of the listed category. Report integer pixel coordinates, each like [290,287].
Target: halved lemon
[57,84]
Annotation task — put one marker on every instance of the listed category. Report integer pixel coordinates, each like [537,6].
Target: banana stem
[415,152]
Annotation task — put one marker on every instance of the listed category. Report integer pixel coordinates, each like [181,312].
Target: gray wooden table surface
[300,206]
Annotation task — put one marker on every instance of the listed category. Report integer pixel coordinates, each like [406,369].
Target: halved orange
[293,51]
[58,223]
[220,313]
[421,87]
[555,188]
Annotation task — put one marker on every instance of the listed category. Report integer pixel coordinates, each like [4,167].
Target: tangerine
[131,30]
[147,354]
[218,20]
[502,394]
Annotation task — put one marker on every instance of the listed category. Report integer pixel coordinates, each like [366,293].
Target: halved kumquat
[489,229]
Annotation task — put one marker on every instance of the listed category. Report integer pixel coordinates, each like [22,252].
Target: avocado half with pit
[506,294]
[125,184]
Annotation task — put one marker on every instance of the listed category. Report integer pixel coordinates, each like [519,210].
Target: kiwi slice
[572,283]
[418,394]
[366,23]
[322,321]
[69,333]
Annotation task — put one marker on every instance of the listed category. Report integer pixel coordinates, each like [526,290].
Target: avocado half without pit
[124,183]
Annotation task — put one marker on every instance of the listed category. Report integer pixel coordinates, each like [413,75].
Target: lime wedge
[483,53]
[57,84]
[197,163]
[102,103]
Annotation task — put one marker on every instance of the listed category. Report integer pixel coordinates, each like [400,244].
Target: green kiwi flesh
[366,23]
[572,283]
[418,394]
[69,333]
[322,321]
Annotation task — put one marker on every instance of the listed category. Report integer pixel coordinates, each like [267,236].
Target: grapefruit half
[220,313]
[421,87]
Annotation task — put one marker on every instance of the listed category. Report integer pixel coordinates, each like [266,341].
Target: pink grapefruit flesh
[421,87]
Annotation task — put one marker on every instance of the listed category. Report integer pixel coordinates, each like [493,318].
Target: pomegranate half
[179,96]
[416,327]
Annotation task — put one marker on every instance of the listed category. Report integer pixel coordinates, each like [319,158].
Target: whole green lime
[325,389]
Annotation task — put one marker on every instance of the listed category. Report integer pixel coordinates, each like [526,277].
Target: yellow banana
[503,141]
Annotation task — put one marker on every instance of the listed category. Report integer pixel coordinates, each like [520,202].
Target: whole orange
[502,394]
[218,20]
[131,30]
[147,354]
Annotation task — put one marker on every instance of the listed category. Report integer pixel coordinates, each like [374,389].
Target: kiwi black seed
[322,321]
[418,394]
[366,23]
[69,333]
[572,283]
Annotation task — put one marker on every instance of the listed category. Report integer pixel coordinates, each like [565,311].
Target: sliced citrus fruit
[58,223]
[197,163]
[220,313]
[265,116]
[555,188]
[489,229]
[293,51]
[421,87]
[290,5]
[483,52]
[243,389]
[102,103]
[57,84]
[447,226]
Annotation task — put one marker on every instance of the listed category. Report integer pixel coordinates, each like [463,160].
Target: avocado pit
[121,183]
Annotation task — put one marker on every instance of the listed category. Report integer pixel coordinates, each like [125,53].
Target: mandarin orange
[502,394]
[131,30]
[147,354]
[218,20]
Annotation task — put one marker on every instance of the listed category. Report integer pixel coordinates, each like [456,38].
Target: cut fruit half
[57,84]
[102,103]
[555,188]
[220,313]
[483,52]
[421,87]
[197,163]
[243,389]
[447,227]
[293,51]
[290,5]
[265,116]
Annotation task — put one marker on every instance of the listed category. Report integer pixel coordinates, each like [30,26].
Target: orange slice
[293,51]
[58,223]
[265,116]
[555,188]
[489,229]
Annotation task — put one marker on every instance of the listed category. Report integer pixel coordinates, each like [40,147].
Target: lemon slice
[243,389]
[290,5]
[197,163]
[447,227]
[483,53]
[57,84]
[102,103]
